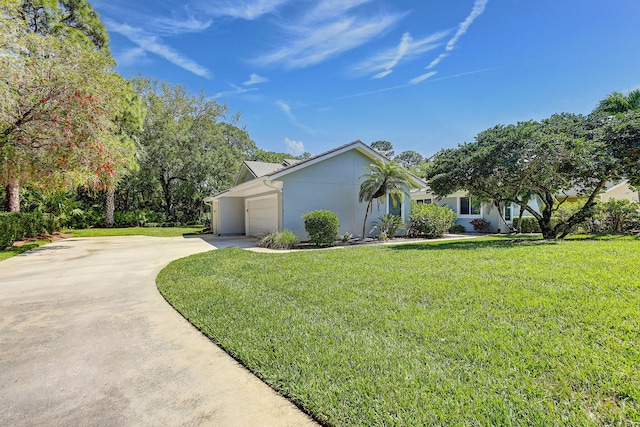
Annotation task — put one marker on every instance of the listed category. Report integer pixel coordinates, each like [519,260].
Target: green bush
[430,220]
[279,240]
[457,229]
[322,227]
[19,225]
[388,226]
[528,224]
[618,216]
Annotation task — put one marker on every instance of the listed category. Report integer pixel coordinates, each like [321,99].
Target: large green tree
[60,98]
[382,179]
[383,147]
[532,163]
[189,147]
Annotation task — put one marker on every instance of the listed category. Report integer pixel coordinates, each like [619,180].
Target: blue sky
[424,75]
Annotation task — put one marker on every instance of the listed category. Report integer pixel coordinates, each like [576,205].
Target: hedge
[528,225]
[19,225]
[430,220]
[322,227]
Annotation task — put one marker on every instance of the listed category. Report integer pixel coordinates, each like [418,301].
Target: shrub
[618,215]
[457,229]
[389,225]
[527,224]
[322,227]
[430,220]
[18,225]
[279,240]
[480,224]
[346,237]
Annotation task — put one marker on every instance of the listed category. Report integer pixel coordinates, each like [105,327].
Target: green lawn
[135,231]
[11,252]
[473,332]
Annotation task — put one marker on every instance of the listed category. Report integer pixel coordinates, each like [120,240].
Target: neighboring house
[612,190]
[273,196]
[467,209]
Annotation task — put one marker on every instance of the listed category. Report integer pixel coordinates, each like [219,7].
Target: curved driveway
[86,339]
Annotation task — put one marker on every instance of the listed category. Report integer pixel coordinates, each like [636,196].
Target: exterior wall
[231,216]
[621,192]
[332,184]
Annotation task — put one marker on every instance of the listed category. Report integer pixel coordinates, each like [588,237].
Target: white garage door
[262,215]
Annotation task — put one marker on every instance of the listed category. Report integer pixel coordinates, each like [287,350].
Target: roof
[259,169]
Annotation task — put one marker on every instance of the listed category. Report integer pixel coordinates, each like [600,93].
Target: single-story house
[612,190]
[469,209]
[273,196]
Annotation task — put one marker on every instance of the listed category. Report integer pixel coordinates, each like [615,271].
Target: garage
[261,215]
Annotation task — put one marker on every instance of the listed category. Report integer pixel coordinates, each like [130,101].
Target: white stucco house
[469,209]
[272,196]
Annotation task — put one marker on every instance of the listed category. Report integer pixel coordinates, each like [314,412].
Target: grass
[136,231]
[470,333]
[13,251]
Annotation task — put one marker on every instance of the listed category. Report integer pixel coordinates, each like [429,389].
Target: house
[612,190]
[273,196]
[469,209]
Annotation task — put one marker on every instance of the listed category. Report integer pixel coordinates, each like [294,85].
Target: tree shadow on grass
[472,245]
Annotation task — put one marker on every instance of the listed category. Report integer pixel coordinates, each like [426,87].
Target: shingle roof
[260,169]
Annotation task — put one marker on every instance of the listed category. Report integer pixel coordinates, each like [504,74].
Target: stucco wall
[332,184]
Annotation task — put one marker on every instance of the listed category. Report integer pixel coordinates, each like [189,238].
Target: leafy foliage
[322,227]
[18,225]
[430,220]
[409,159]
[480,224]
[279,240]
[536,161]
[388,225]
[383,147]
[382,179]
[189,149]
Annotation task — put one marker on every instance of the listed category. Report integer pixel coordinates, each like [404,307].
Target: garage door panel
[262,215]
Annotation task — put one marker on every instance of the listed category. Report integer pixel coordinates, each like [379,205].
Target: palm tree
[617,102]
[382,178]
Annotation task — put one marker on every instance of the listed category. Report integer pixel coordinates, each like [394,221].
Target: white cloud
[422,78]
[315,44]
[382,74]
[408,49]
[295,148]
[478,8]
[242,9]
[286,109]
[437,60]
[151,43]
[236,90]
[255,79]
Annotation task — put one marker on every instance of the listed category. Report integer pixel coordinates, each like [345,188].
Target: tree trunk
[110,206]
[13,195]
[168,200]
[366,214]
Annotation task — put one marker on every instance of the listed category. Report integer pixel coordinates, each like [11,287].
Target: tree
[382,179]
[537,161]
[409,159]
[617,102]
[383,147]
[187,145]
[60,100]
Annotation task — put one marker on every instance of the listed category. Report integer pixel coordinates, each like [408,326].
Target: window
[507,212]
[395,205]
[425,201]
[470,206]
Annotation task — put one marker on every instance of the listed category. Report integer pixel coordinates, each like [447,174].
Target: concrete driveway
[86,339]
